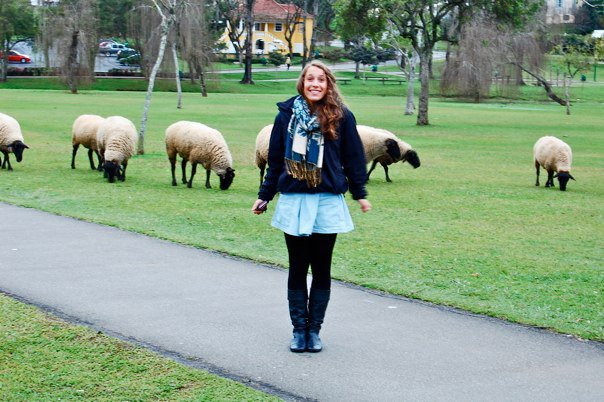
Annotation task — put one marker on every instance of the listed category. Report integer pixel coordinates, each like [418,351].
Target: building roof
[271,10]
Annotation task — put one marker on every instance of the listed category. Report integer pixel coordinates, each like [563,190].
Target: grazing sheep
[555,156]
[116,140]
[198,143]
[386,148]
[83,133]
[262,141]
[11,140]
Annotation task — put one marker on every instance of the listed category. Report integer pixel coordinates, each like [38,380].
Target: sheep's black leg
[6,161]
[173,169]
[184,171]
[537,168]
[99,167]
[73,154]
[550,179]
[193,171]
[208,171]
[373,165]
[124,166]
[91,160]
[386,171]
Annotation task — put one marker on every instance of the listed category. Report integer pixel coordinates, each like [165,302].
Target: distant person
[288,62]
[315,156]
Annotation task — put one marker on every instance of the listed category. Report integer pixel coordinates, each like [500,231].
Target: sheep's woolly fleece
[374,143]
[553,154]
[117,135]
[85,129]
[10,130]
[198,143]
[262,142]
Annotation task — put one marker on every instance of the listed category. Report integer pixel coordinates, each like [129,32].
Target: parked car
[16,57]
[134,60]
[109,49]
[122,54]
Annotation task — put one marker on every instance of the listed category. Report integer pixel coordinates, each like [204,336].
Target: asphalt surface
[230,316]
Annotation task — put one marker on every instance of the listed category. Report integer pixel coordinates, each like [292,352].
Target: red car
[16,57]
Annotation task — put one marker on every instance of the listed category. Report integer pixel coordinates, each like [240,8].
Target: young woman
[315,156]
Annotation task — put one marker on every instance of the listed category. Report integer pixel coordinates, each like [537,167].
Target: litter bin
[374,68]
[583,78]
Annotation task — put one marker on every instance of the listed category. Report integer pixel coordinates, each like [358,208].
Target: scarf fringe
[300,171]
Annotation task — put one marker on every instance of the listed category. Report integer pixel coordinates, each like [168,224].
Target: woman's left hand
[365,205]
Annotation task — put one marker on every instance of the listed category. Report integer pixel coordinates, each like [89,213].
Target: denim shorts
[301,214]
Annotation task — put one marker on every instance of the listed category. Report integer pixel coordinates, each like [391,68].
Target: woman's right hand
[255,207]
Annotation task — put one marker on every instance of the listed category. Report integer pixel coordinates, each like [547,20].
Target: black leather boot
[298,313]
[317,304]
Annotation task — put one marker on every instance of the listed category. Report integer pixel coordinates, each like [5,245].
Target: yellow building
[270,23]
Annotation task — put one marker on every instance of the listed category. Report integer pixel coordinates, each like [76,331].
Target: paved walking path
[230,316]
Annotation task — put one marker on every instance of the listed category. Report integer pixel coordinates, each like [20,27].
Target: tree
[289,27]
[75,28]
[573,61]
[408,62]
[249,25]
[233,13]
[422,23]
[113,18]
[167,10]
[357,21]
[17,24]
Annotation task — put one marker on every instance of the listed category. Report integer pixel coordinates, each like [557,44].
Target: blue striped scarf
[304,146]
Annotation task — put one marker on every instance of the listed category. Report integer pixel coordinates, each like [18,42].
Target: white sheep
[116,140]
[386,148]
[11,140]
[555,156]
[198,143]
[262,142]
[83,133]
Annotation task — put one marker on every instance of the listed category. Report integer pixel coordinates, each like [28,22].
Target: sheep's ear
[571,176]
[25,146]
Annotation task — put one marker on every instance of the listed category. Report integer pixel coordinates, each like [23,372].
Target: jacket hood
[287,106]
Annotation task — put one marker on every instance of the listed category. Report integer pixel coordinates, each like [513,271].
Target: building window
[278,27]
[257,26]
[559,3]
[301,28]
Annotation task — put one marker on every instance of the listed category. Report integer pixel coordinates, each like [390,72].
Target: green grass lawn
[43,359]
[467,229]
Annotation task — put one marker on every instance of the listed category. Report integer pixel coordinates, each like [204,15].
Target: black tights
[314,250]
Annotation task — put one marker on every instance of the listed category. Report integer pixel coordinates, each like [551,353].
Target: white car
[109,49]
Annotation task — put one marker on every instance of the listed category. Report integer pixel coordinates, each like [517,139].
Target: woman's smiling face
[315,84]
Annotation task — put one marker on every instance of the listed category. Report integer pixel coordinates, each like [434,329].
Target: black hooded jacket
[344,166]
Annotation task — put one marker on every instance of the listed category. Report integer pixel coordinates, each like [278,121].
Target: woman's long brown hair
[329,109]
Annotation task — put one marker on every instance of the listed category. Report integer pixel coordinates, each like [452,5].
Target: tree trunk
[191,71]
[424,60]
[519,78]
[430,72]
[165,29]
[249,24]
[202,83]
[410,105]
[357,74]
[177,76]
[313,37]
[546,85]
[72,60]
[567,93]
[305,55]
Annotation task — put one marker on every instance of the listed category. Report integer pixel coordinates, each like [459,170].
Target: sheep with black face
[116,140]
[11,140]
[83,133]
[199,144]
[555,156]
[382,146]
